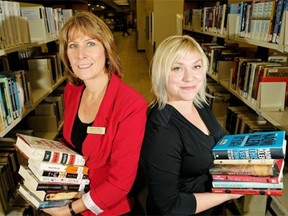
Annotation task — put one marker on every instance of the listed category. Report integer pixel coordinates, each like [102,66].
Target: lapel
[103,117]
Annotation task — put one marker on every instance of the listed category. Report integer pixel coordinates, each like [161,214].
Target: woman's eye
[197,66]
[176,68]
[71,46]
[90,43]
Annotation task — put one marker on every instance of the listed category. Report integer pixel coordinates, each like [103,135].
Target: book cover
[54,194]
[245,161]
[248,169]
[36,202]
[52,176]
[47,150]
[258,145]
[56,167]
[234,184]
[31,181]
[278,79]
[249,178]
[249,191]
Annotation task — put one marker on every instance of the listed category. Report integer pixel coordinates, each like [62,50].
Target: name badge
[96,130]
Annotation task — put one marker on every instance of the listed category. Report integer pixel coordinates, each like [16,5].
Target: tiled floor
[135,64]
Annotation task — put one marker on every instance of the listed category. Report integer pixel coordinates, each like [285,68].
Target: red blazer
[113,157]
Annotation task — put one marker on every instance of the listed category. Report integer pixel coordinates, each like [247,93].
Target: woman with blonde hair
[180,133]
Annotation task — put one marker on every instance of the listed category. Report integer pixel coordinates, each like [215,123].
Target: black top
[176,157]
[79,133]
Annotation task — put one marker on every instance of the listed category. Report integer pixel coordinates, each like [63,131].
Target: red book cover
[248,178]
[249,191]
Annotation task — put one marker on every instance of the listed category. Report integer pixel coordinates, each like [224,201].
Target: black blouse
[176,157]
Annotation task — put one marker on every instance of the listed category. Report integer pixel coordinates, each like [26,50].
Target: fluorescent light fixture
[121,2]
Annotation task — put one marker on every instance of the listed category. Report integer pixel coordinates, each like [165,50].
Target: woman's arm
[208,200]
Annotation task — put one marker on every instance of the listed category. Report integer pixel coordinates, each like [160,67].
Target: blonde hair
[89,24]
[167,53]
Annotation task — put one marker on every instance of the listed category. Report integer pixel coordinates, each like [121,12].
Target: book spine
[62,168]
[258,161]
[278,20]
[53,203]
[246,178]
[267,192]
[58,157]
[256,170]
[239,154]
[63,180]
[61,175]
[61,187]
[233,184]
[52,195]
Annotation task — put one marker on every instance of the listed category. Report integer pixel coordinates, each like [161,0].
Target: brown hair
[91,25]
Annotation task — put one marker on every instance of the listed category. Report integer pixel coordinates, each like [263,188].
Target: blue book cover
[259,145]
[234,8]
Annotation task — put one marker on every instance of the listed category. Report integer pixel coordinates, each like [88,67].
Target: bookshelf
[251,205]
[8,52]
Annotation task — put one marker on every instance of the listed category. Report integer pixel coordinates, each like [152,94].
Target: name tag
[96,130]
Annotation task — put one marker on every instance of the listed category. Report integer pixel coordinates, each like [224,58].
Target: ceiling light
[121,2]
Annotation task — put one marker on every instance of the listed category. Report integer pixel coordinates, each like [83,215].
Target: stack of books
[249,164]
[54,174]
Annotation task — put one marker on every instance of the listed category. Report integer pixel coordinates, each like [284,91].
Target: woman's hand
[59,211]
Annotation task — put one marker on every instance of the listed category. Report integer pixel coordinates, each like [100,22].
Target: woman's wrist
[71,210]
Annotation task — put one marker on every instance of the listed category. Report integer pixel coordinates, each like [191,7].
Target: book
[56,167]
[248,169]
[249,178]
[249,191]
[52,176]
[47,150]
[234,184]
[37,203]
[244,161]
[280,8]
[258,145]
[33,183]
[45,195]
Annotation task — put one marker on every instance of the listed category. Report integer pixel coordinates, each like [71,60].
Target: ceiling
[114,5]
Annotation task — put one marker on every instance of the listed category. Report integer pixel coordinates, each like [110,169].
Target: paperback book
[37,203]
[47,150]
[42,166]
[36,184]
[258,145]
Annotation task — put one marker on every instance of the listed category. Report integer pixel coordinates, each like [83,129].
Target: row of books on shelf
[9,178]
[241,119]
[250,163]
[22,23]
[258,20]
[16,92]
[54,173]
[264,84]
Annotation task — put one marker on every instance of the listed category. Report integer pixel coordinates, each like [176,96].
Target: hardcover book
[47,150]
[234,184]
[249,191]
[258,145]
[244,161]
[249,178]
[248,169]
